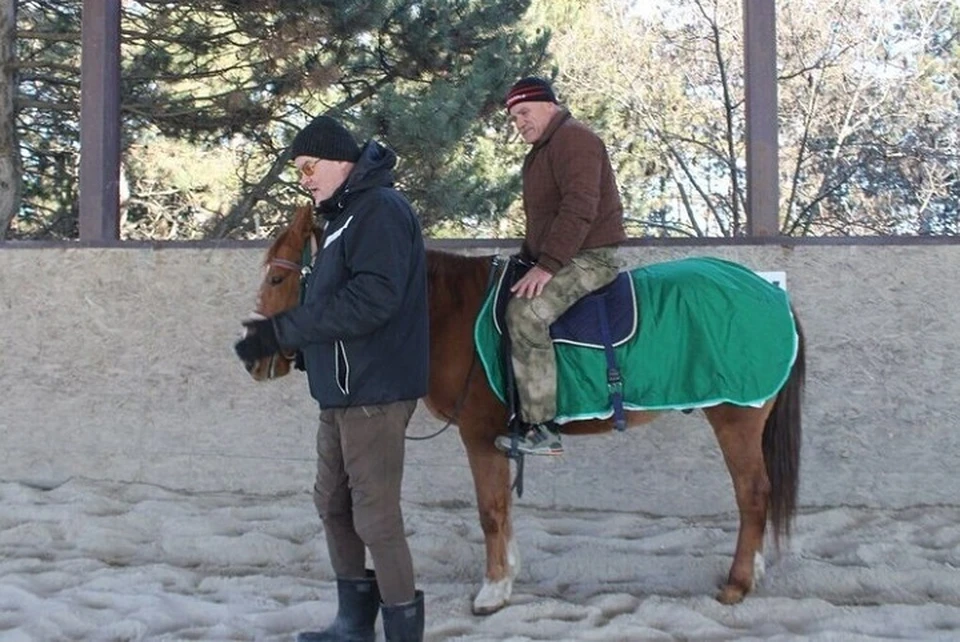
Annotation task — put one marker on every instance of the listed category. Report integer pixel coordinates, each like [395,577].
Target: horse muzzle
[272,367]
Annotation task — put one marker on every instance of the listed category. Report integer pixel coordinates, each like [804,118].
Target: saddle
[602,319]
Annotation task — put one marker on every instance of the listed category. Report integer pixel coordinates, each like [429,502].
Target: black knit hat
[325,138]
[529,89]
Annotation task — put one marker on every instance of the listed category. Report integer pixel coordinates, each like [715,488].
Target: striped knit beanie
[529,89]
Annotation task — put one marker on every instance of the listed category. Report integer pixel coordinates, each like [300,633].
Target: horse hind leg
[491,477]
[740,434]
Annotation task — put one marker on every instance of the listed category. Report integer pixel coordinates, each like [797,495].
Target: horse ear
[303,218]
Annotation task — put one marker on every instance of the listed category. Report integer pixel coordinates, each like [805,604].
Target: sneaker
[540,439]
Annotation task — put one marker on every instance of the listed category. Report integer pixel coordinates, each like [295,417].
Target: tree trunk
[10,179]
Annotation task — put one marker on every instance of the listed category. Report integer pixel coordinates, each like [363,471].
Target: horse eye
[277,279]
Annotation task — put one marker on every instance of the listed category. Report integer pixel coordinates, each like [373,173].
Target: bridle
[284,264]
[309,252]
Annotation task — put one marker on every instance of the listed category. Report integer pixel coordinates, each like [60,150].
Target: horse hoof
[731,594]
[486,610]
[492,597]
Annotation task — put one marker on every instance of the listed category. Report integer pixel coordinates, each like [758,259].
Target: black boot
[404,622]
[358,601]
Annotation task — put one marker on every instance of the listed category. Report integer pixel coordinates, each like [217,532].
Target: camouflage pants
[528,321]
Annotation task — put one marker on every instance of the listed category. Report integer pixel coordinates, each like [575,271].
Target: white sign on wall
[779,279]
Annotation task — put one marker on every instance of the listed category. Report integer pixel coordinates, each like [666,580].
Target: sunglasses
[308,168]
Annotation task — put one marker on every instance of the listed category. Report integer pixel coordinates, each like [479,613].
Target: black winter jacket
[363,325]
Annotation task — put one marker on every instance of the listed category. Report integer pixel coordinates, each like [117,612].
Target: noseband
[285,264]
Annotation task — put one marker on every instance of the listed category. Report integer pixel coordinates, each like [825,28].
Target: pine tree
[235,79]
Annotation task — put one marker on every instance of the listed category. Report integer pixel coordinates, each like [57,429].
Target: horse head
[280,288]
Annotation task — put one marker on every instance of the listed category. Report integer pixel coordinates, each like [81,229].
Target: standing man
[363,331]
[574,223]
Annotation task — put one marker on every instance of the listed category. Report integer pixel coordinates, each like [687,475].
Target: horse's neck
[457,284]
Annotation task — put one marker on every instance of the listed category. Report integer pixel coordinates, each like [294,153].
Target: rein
[457,407]
[309,250]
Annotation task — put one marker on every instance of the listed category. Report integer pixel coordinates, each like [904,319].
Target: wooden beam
[100,121]
[760,71]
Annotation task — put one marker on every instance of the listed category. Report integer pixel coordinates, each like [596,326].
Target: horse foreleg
[740,432]
[491,478]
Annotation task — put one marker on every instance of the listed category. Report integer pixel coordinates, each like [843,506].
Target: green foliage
[425,76]
[177,187]
[49,132]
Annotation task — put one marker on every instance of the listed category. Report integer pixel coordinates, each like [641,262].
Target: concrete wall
[118,364]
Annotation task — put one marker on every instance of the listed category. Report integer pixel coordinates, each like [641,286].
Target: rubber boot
[358,601]
[404,622]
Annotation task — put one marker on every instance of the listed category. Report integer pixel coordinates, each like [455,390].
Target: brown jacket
[570,194]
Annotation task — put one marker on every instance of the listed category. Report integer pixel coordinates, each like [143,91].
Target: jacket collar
[558,119]
[374,167]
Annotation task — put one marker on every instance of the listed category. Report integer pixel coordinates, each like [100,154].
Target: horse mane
[456,276]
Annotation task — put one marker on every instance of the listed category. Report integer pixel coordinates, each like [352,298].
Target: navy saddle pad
[580,325]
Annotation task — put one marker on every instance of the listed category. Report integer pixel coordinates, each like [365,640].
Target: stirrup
[537,439]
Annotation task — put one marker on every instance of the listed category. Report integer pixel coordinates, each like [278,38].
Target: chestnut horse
[760,445]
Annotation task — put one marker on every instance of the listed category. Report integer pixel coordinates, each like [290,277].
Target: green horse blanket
[709,332]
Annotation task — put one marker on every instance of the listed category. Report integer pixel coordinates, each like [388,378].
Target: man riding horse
[574,222]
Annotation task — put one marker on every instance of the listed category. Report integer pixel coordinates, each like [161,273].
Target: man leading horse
[363,330]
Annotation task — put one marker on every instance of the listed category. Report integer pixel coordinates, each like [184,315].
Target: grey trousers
[357,493]
[528,321]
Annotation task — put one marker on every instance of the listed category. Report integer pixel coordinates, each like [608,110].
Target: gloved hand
[298,361]
[260,342]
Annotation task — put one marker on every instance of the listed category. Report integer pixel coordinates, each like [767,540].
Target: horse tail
[781,446]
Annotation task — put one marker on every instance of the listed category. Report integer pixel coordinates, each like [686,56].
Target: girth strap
[515,268]
[614,380]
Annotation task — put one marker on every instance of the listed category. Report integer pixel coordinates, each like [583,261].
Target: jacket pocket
[342,367]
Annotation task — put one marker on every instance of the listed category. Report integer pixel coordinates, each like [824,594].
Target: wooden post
[760,71]
[100,121]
